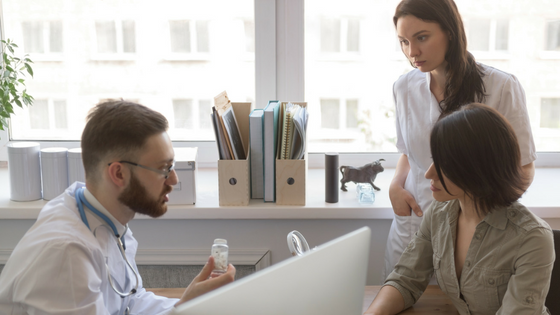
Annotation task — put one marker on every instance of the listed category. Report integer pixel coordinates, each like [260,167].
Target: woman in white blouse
[446,77]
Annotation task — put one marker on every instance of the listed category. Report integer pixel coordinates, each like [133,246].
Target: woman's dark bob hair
[476,148]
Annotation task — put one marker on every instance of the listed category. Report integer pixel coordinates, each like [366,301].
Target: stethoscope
[80,200]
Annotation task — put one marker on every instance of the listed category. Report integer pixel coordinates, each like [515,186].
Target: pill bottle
[220,254]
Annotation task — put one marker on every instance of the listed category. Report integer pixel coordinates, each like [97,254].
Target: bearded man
[79,256]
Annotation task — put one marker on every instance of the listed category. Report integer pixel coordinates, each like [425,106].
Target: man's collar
[94,202]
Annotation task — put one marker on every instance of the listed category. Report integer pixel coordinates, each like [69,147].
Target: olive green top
[507,269]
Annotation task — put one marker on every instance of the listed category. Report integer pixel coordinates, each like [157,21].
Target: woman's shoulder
[493,76]
[412,76]
[524,219]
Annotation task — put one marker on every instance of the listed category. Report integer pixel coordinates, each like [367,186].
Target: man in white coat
[79,257]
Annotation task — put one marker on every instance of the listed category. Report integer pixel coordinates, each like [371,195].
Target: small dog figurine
[363,174]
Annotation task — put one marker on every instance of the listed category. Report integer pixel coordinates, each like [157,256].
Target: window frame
[119,55]
[279,74]
[492,53]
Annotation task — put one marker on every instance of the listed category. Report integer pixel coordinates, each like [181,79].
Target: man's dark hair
[117,130]
[476,148]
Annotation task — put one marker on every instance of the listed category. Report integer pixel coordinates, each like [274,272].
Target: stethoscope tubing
[81,200]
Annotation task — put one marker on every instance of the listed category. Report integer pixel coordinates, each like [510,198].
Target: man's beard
[136,197]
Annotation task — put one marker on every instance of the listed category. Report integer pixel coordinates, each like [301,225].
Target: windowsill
[114,57]
[541,198]
[187,57]
[549,54]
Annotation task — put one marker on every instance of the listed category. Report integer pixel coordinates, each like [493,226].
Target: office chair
[552,299]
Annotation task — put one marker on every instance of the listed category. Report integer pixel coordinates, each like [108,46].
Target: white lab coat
[58,267]
[417,110]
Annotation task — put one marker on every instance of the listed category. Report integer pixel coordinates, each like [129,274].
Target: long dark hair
[463,75]
[476,148]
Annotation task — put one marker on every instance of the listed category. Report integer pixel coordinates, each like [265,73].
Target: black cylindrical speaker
[331,177]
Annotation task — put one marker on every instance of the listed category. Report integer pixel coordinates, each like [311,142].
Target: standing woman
[446,77]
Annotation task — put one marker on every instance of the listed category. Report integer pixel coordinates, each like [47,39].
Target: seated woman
[490,254]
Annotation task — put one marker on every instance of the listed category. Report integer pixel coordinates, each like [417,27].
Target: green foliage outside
[11,82]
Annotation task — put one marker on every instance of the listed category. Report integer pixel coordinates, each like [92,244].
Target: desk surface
[432,301]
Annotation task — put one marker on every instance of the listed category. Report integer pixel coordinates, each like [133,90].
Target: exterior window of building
[129,36]
[188,36]
[330,35]
[488,35]
[353,35]
[37,114]
[106,32]
[330,113]
[340,35]
[42,36]
[47,114]
[249,27]
[60,116]
[115,37]
[553,35]
[204,110]
[180,36]
[150,61]
[182,112]
[550,113]
[351,113]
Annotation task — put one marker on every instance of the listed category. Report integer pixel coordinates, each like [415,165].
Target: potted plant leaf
[12,77]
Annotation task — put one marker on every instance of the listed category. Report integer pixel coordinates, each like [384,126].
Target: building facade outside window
[188,50]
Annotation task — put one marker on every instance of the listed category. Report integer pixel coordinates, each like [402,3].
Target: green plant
[11,77]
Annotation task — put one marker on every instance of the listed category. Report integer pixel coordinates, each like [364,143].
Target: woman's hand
[403,201]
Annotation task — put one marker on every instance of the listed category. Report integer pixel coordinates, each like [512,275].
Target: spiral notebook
[294,125]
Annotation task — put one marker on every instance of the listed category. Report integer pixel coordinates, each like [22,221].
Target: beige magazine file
[233,175]
[291,175]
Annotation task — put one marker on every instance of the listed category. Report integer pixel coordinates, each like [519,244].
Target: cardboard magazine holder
[291,175]
[233,175]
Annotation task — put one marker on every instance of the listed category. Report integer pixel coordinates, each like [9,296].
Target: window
[115,37]
[550,113]
[45,115]
[553,35]
[182,111]
[192,115]
[338,57]
[340,35]
[42,37]
[249,27]
[487,35]
[115,50]
[330,114]
[352,114]
[189,36]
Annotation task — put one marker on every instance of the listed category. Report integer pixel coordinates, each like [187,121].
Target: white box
[184,193]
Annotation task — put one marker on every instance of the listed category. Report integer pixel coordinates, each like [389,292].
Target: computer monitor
[329,280]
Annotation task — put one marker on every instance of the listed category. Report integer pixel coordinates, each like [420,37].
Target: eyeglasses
[162,172]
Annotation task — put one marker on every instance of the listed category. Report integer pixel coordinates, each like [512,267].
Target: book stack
[231,128]
[263,150]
